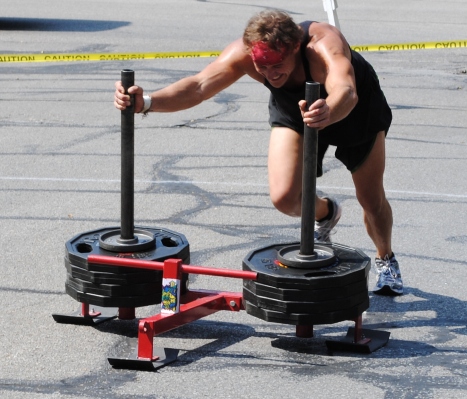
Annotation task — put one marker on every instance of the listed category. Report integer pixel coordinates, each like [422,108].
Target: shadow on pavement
[58,25]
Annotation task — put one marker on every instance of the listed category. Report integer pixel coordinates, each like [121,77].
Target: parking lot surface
[203,173]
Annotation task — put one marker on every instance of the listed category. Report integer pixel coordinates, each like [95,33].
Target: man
[352,114]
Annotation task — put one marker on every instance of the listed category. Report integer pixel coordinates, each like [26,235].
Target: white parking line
[217,183]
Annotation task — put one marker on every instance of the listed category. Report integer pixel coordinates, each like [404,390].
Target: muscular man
[352,115]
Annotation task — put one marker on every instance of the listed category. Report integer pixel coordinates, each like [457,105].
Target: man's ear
[296,48]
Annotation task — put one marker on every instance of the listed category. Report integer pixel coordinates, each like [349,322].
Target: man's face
[275,66]
[277,74]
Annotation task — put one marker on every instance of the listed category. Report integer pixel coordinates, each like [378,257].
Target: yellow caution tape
[64,57]
[412,46]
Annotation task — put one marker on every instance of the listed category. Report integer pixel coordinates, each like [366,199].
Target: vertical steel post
[304,331]
[125,313]
[310,156]
[127,160]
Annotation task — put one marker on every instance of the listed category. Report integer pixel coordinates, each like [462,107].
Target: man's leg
[377,214]
[285,167]
[285,170]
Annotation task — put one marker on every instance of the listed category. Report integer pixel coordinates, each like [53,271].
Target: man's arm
[230,66]
[331,65]
[340,86]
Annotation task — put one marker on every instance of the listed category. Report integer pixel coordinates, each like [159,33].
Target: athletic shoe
[388,280]
[323,229]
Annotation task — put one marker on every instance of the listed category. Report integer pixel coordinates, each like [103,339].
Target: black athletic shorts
[351,157]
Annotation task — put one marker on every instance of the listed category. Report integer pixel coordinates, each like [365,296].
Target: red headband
[262,54]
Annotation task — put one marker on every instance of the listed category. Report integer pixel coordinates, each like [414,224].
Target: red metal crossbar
[194,305]
[152,265]
[208,303]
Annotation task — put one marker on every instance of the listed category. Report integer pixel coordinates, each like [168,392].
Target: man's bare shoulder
[326,39]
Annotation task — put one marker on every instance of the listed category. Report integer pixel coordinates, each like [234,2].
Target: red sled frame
[194,305]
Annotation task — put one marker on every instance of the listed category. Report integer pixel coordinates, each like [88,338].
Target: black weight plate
[169,244]
[352,265]
[329,306]
[310,295]
[113,302]
[144,276]
[113,290]
[307,318]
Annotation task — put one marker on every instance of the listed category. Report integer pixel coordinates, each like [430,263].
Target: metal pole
[310,156]
[127,160]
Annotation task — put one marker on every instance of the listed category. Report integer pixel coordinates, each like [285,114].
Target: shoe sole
[386,291]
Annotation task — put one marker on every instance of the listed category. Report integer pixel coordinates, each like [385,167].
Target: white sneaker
[389,279]
[323,229]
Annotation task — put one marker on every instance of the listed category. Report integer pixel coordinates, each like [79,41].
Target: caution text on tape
[65,57]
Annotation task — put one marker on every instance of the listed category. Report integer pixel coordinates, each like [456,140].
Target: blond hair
[274,27]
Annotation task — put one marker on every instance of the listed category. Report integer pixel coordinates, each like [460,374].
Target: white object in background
[330,6]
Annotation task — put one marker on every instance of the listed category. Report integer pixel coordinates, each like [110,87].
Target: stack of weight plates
[312,296]
[115,286]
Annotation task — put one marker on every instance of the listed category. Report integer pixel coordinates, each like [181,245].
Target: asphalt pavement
[203,173]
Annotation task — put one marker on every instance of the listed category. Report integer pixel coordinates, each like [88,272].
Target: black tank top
[371,114]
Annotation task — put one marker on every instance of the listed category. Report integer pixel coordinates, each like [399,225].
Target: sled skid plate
[91,317]
[161,357]
[368,342]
